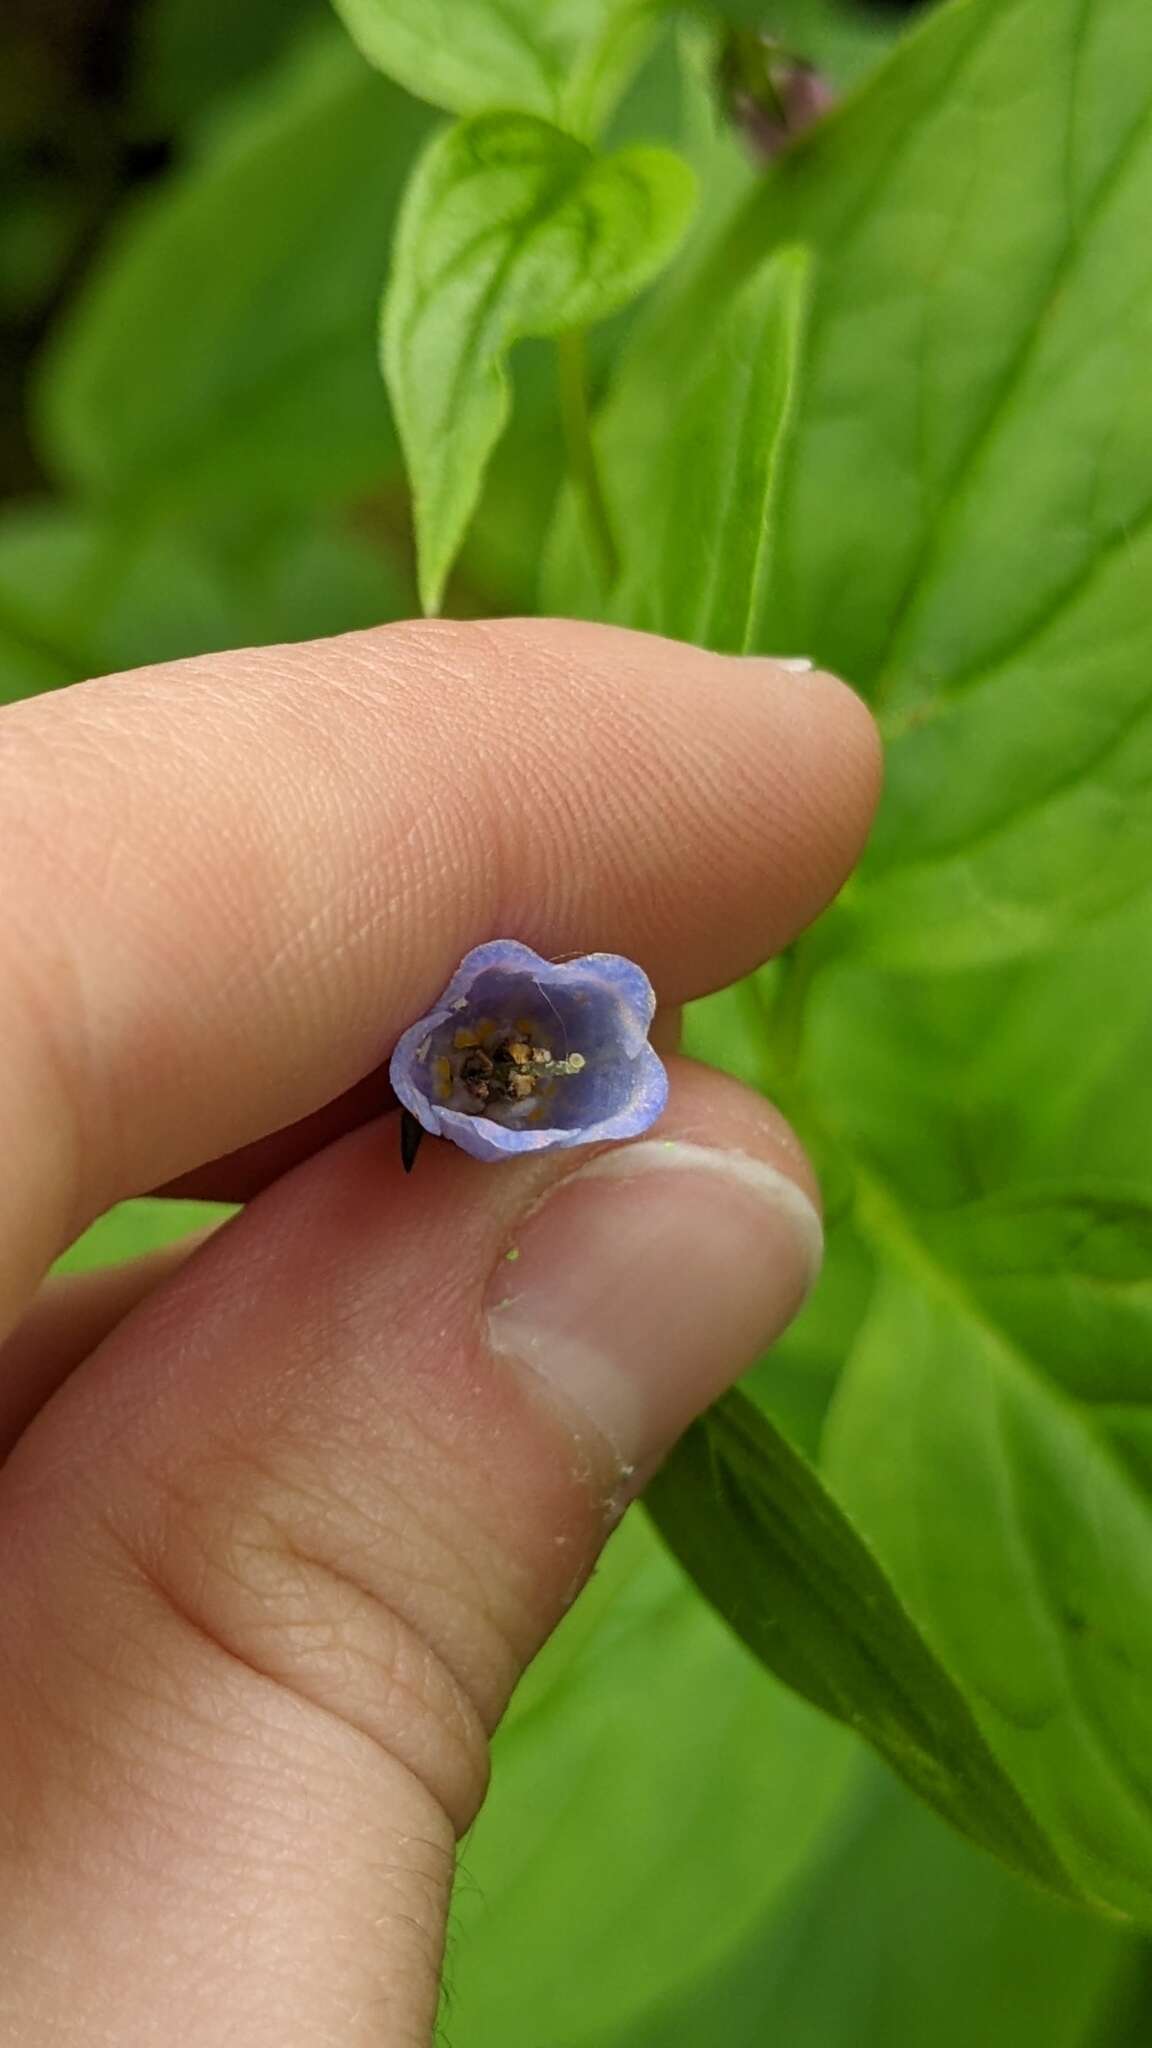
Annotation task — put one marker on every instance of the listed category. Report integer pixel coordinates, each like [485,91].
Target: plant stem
[577,417]
[787,1017]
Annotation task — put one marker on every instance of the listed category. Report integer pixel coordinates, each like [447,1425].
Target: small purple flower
[522,1054]
[771,94]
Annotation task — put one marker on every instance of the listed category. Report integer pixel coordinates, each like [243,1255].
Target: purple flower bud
[522,1054]
[772,95]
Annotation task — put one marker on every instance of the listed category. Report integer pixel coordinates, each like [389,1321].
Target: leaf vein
[1006,389]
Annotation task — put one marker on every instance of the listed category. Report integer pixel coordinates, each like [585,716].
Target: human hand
[284,1517]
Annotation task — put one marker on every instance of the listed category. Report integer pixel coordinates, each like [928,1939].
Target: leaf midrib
[885,1221]
[954,691]
[925,562]
[1081,772]
[474,347]
[564,190]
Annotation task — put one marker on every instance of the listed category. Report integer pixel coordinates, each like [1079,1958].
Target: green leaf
[146,1225]
[986,437]
[1066,1273]
[509,229]
[643,1740]
[957,1088]
[694,566]
[183,64]
[28,666]
[499,565]
[41,551]
[83,595]
[221,357]
[970,1437]
[1064,1083]
[772,1551]
[901,1936]
[970,445]
[1130,2021]
[1046,822]
[565,60]
[991,1432]
[1006,1364]
[964,518]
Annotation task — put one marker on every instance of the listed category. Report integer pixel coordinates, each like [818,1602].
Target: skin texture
[283,1515]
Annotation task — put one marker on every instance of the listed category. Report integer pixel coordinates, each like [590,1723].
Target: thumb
[279,1551]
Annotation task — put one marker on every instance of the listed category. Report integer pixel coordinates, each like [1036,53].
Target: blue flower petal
[592,1012]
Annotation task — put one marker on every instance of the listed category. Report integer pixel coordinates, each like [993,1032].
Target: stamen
[493,1069]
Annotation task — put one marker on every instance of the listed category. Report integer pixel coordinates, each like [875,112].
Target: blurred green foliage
[957,518]
[926,445]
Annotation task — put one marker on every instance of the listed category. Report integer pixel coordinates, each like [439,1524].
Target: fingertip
[851,718]
[837,716]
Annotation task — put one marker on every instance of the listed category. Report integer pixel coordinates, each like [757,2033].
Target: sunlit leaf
[565,60]
[772,1550]
[510,228]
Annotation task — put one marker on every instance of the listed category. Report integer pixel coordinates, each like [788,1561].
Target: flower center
[491,1065]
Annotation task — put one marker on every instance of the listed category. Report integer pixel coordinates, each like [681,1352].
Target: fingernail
[648,1280]
[793,664]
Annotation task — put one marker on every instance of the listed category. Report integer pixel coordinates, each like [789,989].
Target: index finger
[231,882]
